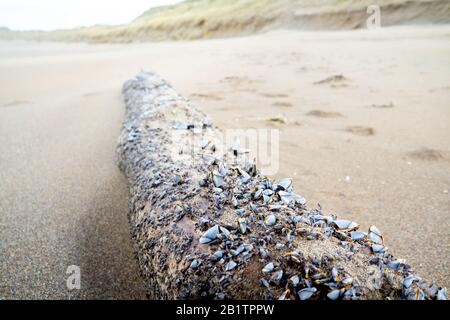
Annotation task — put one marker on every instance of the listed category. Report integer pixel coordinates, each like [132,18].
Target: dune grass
[196,19]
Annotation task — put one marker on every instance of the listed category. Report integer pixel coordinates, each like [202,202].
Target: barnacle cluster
[211,226]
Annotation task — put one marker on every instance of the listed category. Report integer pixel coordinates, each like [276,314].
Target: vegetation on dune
[195,19]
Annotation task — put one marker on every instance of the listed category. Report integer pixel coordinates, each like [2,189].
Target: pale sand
[63,201]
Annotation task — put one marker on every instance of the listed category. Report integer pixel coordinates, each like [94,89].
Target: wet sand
[366,136]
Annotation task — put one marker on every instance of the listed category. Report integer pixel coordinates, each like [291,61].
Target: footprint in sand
[237,81]
[281,120]
[444,88]
[383,106]
[274,95]
[335,81]
[283,104]
[277,120]
[324,114]
[91,94]
[16,103]
[426,154]
[361,131]
[207,96]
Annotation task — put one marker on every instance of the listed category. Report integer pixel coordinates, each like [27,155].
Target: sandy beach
[365,133]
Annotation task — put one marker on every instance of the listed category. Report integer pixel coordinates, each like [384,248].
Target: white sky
[57,14]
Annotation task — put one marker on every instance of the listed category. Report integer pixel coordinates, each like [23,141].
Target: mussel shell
[218,181]
[242,225]
[258,194]
[335,274]
[289,197]
[194,264]
[210,235]
[277,276]
[407,282]
[268,268]
[284,184]
[393,264]
[265,283]
[225,232]
[285,295]
[377,248]
[244,175]
[238,250]
[375,230]
[346,282]
[295,280]
[334,295]
[345,225]
[223,171]
[418,294]
[306,293]
[218,254]
[357,235]
[375,238]
[298,198]
[442,294]
[270,220]
[230,265]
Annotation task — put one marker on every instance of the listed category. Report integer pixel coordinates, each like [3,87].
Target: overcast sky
[56,14]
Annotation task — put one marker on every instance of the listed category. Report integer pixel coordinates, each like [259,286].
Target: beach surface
[364,130]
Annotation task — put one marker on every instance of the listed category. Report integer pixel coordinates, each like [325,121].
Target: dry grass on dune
[196,19]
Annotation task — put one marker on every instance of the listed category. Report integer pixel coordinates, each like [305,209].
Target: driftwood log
[209,225]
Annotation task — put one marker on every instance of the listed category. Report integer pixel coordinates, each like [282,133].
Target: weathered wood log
[209,226]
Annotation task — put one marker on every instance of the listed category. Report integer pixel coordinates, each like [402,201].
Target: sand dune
[199,19]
